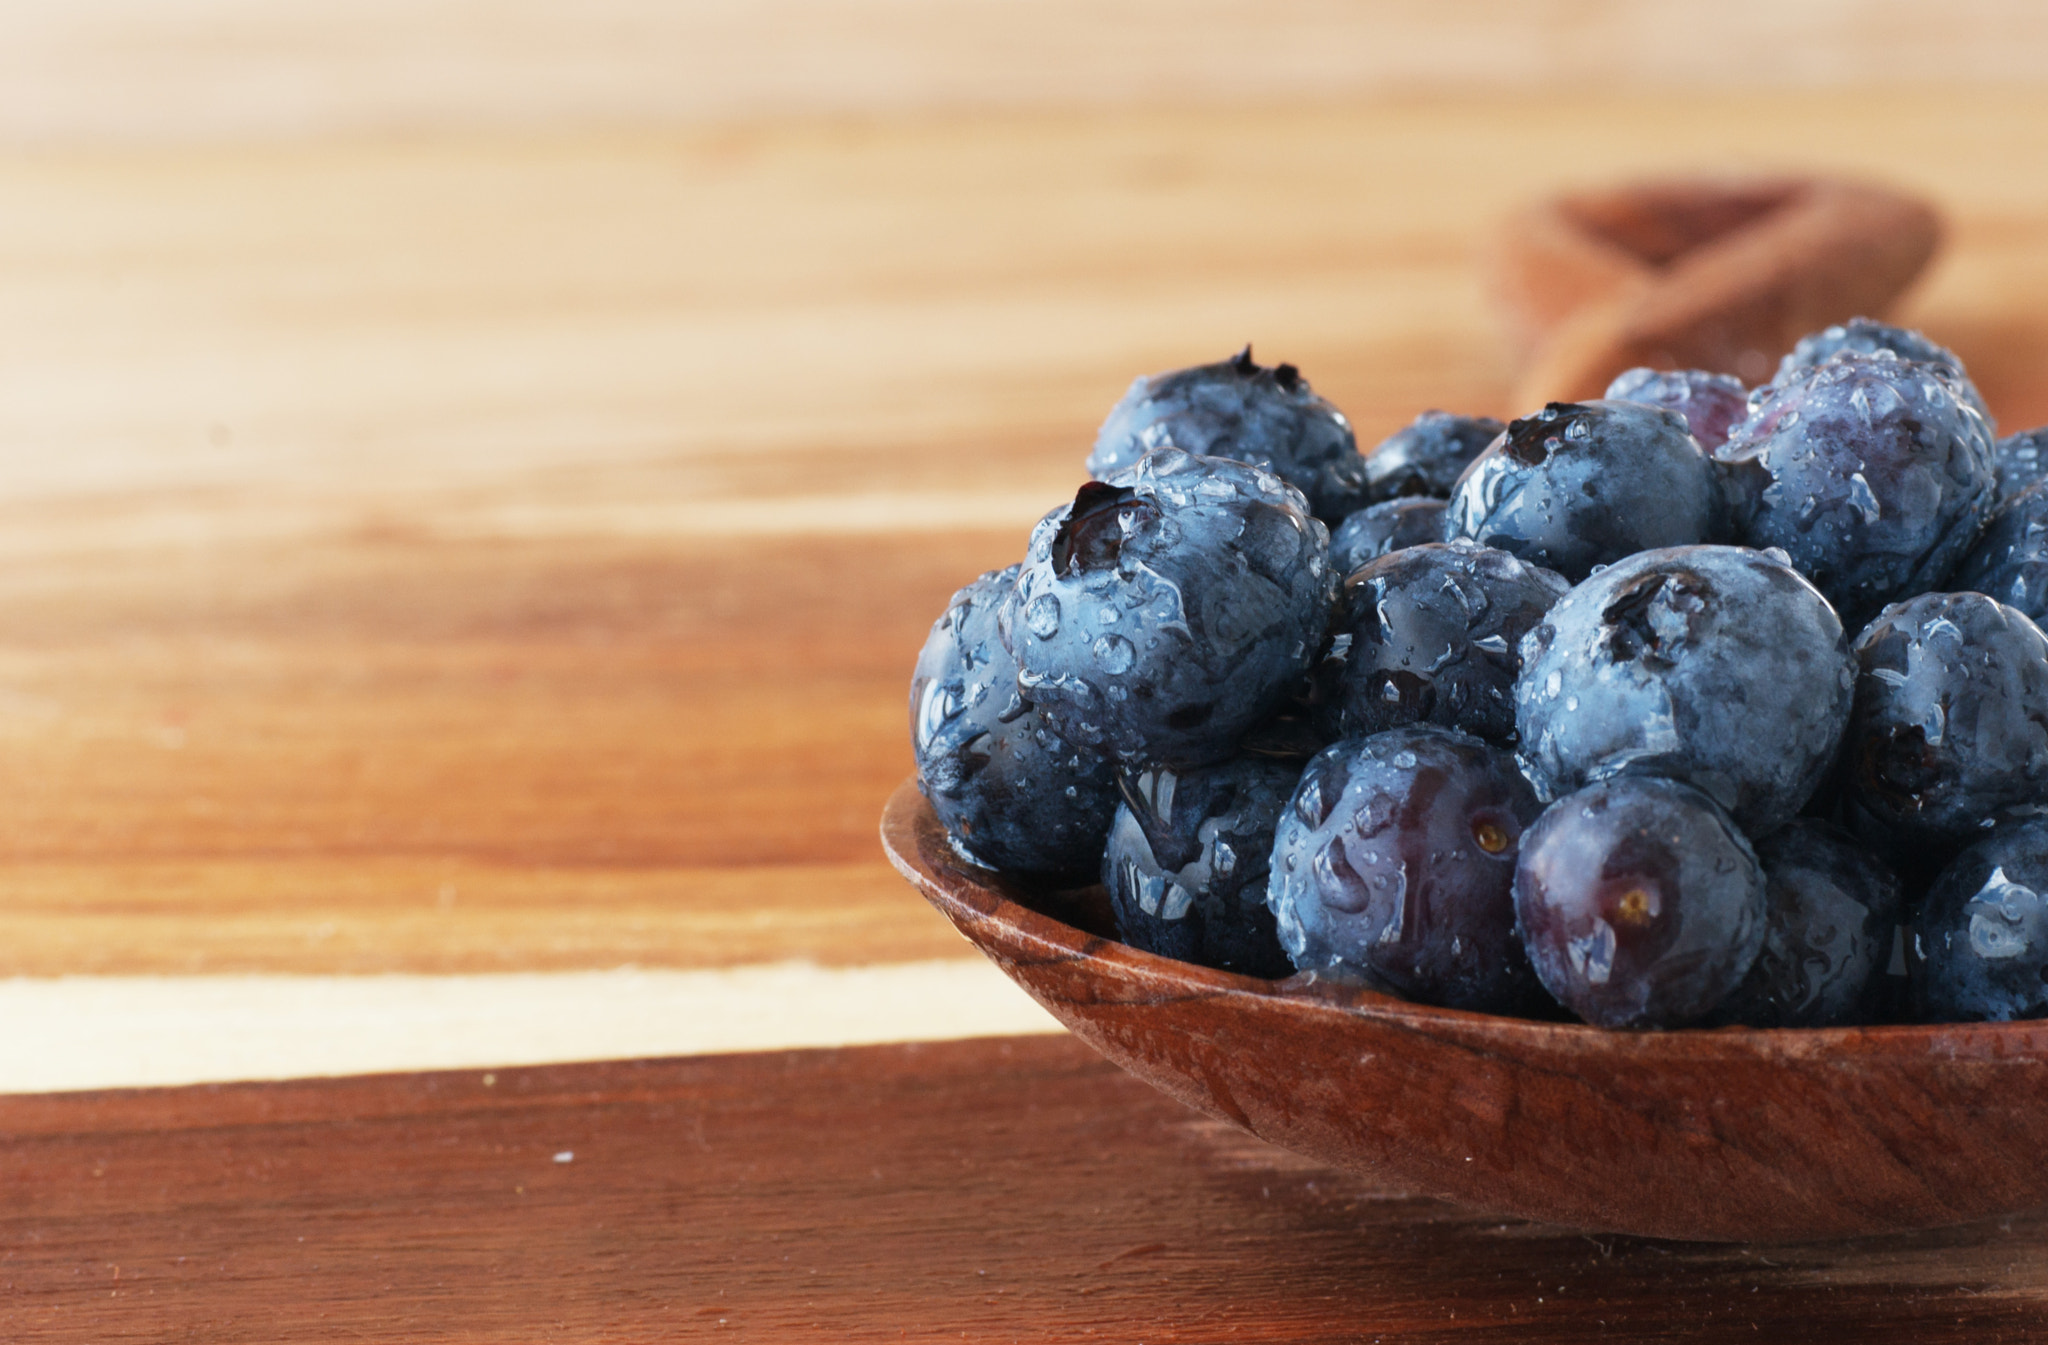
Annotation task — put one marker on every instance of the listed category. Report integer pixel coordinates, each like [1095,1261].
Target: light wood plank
[556,519]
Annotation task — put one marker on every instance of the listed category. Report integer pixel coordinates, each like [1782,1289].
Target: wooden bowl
[1729,1135]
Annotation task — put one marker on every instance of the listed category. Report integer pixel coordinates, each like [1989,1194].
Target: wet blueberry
[1169,610]
[1867,336]
[1427,457]
[1240,409]
[1640,903]
[2010,561]
[1395,863]
[1580,485]
[1187,861]
[1430,635]
[2020,460]
[1388,526]
[1011,793]
[1950,728]
[1716,665]
[1710,403]
[1867,472]
[1833,911]
[1980,944]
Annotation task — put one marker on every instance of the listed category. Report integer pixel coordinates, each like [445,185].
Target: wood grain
[156,70]
[550,520]
[1010,1190]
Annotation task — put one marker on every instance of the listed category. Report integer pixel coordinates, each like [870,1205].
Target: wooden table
[462,536]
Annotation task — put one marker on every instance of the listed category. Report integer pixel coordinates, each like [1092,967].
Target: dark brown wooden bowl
[1728,1135]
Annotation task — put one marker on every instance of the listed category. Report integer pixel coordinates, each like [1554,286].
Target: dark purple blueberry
[1640,903]
[1239,409]
[1833,912]
[1980,943]
[2020,460]
[1951,722]
[1169,610]
[1187,860]
[1710,403]
[1867,336]
[1430,635]
[1392,525]
[1580,485]
[1394,863]
[2010,562]
[1868,473]
[1429,456]
[1716,665]
[1011,793]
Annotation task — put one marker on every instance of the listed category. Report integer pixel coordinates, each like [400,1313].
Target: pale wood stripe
[127,1031]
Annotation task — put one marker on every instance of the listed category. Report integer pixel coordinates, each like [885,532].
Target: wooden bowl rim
[966,894]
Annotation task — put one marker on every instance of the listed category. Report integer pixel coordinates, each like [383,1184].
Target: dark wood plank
[994,1190]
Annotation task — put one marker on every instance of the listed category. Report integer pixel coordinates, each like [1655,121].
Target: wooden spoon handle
[1698,274]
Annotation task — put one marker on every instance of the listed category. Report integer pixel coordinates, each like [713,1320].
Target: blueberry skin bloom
[1868,472]
[1239,409]
[1833,908]
[1951,720]
[1377,529]
[1430,635]
[1980,945]
[1867,336]
[2010,562]
[1583,484]
[1428,456]
[1640,903]
[1187,860]
[1710,664]
[1169,610]
[1011,793]
[1395,862]
[1712,404]
[2020,460]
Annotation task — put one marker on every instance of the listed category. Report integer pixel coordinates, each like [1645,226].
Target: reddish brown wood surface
[1015,1190]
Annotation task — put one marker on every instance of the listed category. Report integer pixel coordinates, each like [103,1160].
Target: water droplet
[1114,654]
[1042,616]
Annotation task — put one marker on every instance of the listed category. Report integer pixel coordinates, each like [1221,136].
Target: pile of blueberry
[1695,704]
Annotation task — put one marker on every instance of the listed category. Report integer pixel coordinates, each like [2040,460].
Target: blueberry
[1169,610]
[1951,721]
[1239,409]
[1868,472]
[1640,903]
[1580,485]
[1833,910]
[2010,561]
[1980,945]
[1867,336]
[1710,403]
[1187,860]
[1389,526]
[1430,635]
[1011,793]
[2020,460]
[1428,456]
[1395,861]
[1710,664]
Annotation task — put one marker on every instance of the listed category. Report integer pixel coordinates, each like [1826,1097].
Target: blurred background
[475,474]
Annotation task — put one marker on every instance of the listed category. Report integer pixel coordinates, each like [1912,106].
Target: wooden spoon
[1698,274]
